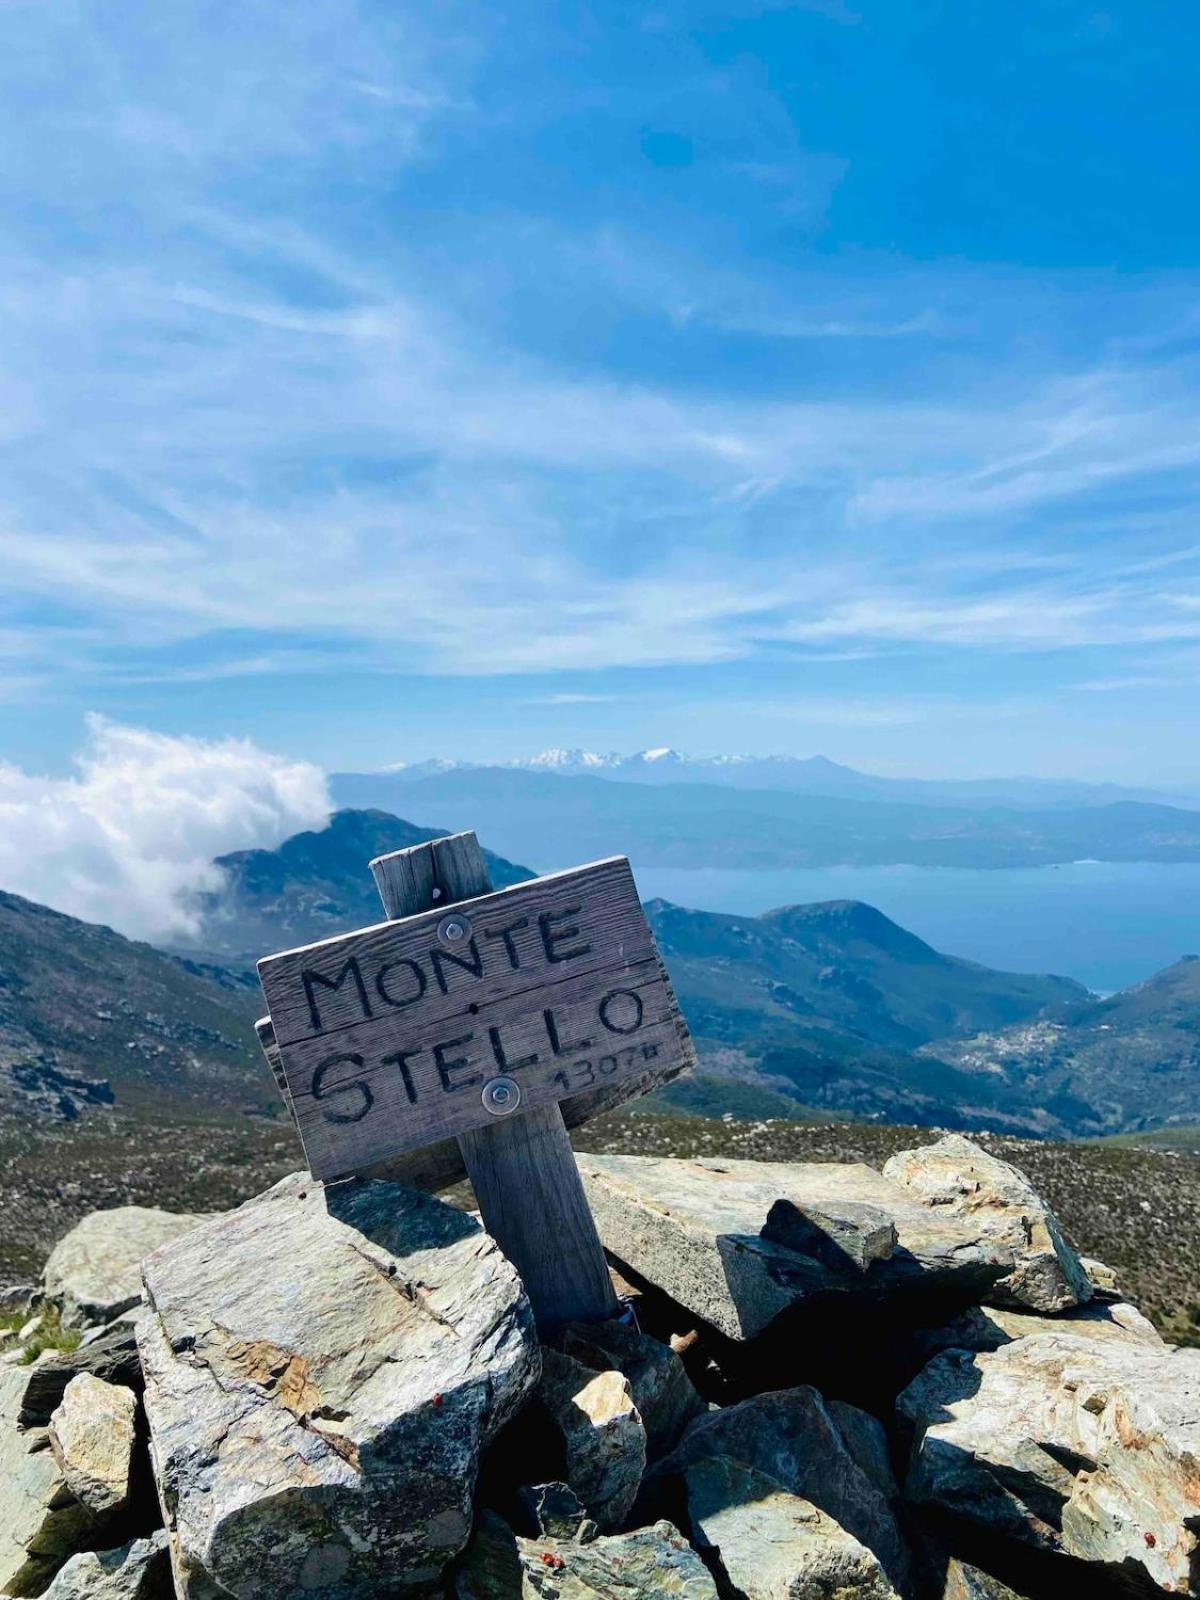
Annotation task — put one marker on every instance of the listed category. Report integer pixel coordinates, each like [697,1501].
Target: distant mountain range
[827,1010]
[551,821]
[800,774]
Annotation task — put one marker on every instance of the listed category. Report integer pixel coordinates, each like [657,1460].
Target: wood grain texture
[410,878]
[522,1169]
[532,1202]
[265,1029]
[388,1036]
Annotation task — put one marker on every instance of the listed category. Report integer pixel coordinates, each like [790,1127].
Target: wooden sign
[428,1027]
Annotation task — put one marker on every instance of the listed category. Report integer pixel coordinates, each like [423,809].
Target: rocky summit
[826,1382]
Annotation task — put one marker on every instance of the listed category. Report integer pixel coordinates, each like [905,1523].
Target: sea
[1108,924]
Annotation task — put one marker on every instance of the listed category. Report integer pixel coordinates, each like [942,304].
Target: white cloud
[128,840]
[567,699]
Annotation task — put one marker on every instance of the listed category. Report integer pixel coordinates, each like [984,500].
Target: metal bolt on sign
[454,929]
[502,1096]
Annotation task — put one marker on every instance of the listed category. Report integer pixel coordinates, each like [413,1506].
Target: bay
[1108,924]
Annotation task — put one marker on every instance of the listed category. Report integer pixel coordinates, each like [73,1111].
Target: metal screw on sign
[455,929]
[502,1096]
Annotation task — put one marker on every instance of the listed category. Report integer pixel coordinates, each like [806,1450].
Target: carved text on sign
[388,1036]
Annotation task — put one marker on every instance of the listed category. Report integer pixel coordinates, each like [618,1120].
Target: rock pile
[845,1385]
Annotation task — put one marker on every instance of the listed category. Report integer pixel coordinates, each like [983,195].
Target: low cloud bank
[129,840]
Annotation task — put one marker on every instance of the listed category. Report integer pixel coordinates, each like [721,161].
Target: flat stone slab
[708,1233]
[323,1368]
[1085,1447]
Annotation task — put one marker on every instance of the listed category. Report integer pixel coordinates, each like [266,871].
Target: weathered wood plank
[521,938]
[532,1202]
[522,1169]
[388,1037]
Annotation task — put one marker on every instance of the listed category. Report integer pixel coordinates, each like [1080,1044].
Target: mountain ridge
[811,774]
[552,822]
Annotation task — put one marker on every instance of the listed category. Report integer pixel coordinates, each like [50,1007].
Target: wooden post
[522,1169]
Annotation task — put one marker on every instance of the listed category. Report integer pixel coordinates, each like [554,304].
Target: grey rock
[708,1233]
[955,1177]
[138,1571]
[92,1437]
[791,1437]
[602,1433]
[555,1512]
[653,1563]
[988,1327]
[772,1545]
[112,1356]
[94,1272]
[1084,1447]
[846,1240]
[323,1367]
[658,1380]
[863,1436]
[15,1298]
[1102,1278]
[961,1581]
[41,1522]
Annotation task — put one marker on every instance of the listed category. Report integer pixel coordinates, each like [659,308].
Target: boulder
[138,1571]
[768,1544]
[604,1440]
[1103,1278]
[658,1380]
[323,1367]
[955,1177]
[791,1436]
[653,1563]
[41,1522]
[739,1242]
[94,1272]
[1083,1447]
[92,1437]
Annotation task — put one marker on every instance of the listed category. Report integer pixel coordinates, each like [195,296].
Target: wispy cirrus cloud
[316,364]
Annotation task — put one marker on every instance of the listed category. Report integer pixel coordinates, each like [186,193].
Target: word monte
[423,1028]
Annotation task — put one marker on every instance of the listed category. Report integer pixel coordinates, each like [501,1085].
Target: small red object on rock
[1150,1540]
[551,1560]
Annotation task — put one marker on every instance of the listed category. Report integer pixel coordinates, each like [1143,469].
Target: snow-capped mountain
[814,775]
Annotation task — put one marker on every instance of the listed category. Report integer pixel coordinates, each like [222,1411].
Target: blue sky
[383,380]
